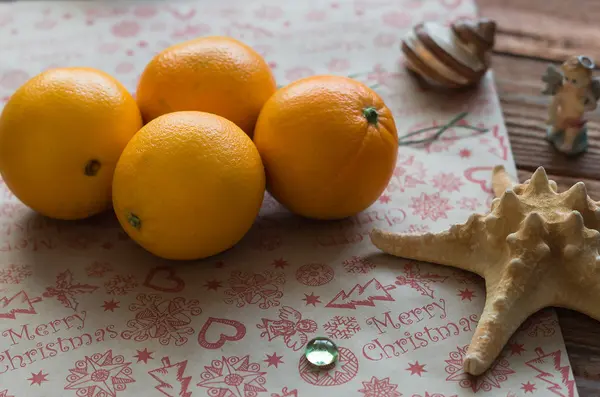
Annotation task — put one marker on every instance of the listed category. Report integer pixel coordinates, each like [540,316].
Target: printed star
[111,305]
[384,199]
[311,299]
[416,368]
[464,153]
[274,360]
[280,263]
[144,355]
[516,348]
[466,294]
[231,377]
[213,284]
[37,379]
[528,387]
[102,375]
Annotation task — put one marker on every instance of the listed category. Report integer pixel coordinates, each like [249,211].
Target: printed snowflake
[417,229]
[357,264]
[14,274]
[100,375]
[264,289]
[447,182]
[120,285]
[465,153]
[468,203]
[267,240]
[162,319]
[98,269]
[341,327]
[233,377]
[431,206]
[408,174]
[420,282]
[492,378]
[379,388]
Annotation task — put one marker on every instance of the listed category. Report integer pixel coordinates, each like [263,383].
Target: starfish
[536,248]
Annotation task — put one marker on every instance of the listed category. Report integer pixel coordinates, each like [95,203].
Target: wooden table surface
[531,34]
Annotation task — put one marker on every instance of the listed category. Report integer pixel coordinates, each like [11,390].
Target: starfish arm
[462,246]
[578,288]
[508,304]
[501,317]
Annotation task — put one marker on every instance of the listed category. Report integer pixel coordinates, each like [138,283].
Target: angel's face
[576,78]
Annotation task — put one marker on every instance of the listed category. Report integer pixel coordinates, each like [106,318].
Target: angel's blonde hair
[578,64]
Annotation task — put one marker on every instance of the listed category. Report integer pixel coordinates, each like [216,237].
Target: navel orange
[214,74]
[188,185]
[61,135]
[329,146]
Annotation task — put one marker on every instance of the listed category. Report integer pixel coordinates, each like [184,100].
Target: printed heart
[481,176]
[233,331]
[164,279]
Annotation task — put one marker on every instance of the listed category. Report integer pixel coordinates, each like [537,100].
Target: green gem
[321,352]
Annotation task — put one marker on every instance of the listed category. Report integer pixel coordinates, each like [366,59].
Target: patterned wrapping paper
[85,312]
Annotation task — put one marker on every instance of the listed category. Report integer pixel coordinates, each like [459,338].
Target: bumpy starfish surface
[536,248]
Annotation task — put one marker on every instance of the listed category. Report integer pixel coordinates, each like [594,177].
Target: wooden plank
[545,29]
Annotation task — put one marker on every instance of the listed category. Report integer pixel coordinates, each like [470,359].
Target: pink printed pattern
[101,374]
[492,379]
[291,327]
[233,376]
[264,289]
[294,272]
[163,319]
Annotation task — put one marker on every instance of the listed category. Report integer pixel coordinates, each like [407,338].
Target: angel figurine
[574,92]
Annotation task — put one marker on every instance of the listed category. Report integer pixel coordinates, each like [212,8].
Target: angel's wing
[287,313]
[553,80]
[595,88]
[592,95]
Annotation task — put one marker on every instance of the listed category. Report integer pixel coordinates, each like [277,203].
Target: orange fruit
[214,74]
[61,134]
[329,146]
[188,185]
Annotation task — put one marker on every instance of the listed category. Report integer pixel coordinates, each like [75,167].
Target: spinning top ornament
[451,57]
[535,248]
